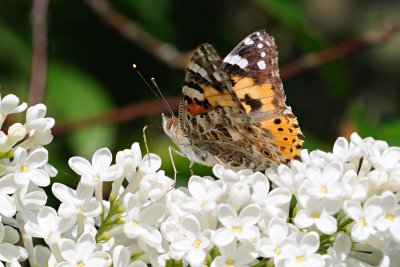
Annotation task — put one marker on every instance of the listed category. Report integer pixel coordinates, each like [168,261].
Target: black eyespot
[249,129]
[280,129]
[265,153]
[277,121]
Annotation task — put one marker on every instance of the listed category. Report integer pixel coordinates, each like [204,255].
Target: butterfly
[233,111]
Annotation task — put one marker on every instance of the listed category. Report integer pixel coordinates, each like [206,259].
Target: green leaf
[73,95]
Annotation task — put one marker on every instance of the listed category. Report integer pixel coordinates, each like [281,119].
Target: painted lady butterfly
[233,111]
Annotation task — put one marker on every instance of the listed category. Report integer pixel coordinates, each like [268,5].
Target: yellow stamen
[197,243]
[362,222]
[323,189]
[96,177]
[315,215]
[135,223]
[204,205]
[236,229]
[300,259]
[390,216]
[229,262]
[80,264]
[23,168]
[277,251]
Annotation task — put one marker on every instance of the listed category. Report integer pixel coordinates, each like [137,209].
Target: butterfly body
[233,111]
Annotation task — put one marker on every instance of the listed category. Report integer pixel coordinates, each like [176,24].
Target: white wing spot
[217,76]
[261,65]
[236,59]
[248,41]
[197,69]
[242,63]
[263,54]
[260,45]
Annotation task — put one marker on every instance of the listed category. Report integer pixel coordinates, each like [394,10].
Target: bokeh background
[341,64]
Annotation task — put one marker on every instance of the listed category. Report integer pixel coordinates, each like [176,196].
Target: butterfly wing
[253,69]
[207,86]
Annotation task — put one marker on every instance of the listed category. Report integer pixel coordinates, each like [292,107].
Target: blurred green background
[89,66]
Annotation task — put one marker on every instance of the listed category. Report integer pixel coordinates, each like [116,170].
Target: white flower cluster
[330,209]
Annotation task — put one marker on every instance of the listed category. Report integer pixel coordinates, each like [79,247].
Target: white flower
[240,227]
[154,186]
[121,258]
[301,252]
[204,194]
[7,186]
[10,104]
[233,255]
[338,254]
[30,197]
[8,252]
[76,202]
[388,159]
[345,153]
[16,133]
[129,159]
[140,222]
[83,253]
[170,228]
[314,158]
[363,217]
[273,203]
[238,195]
[319,213]
[390,218]
[150,163]
[229,176]
[354,186]
[28,167]
[324,184]
[48,225]
[193,243]
[271,246]
[41,255]
[289,177]
[36,120]
[97,172]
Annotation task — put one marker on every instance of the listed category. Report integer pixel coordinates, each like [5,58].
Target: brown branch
[304,63]
[39,51]
[123,114]
[330,54]
[132,31]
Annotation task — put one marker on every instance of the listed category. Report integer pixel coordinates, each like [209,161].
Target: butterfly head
[171,127]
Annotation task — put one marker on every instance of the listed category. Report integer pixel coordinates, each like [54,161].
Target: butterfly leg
[191,168]
[170,150]
[145,142]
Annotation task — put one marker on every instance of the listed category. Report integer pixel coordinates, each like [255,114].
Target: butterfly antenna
[162,96]
[157,92]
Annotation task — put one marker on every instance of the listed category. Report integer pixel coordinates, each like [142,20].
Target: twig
[329,54]
[304,63]
[123,114]
[132,31]
[39,51]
